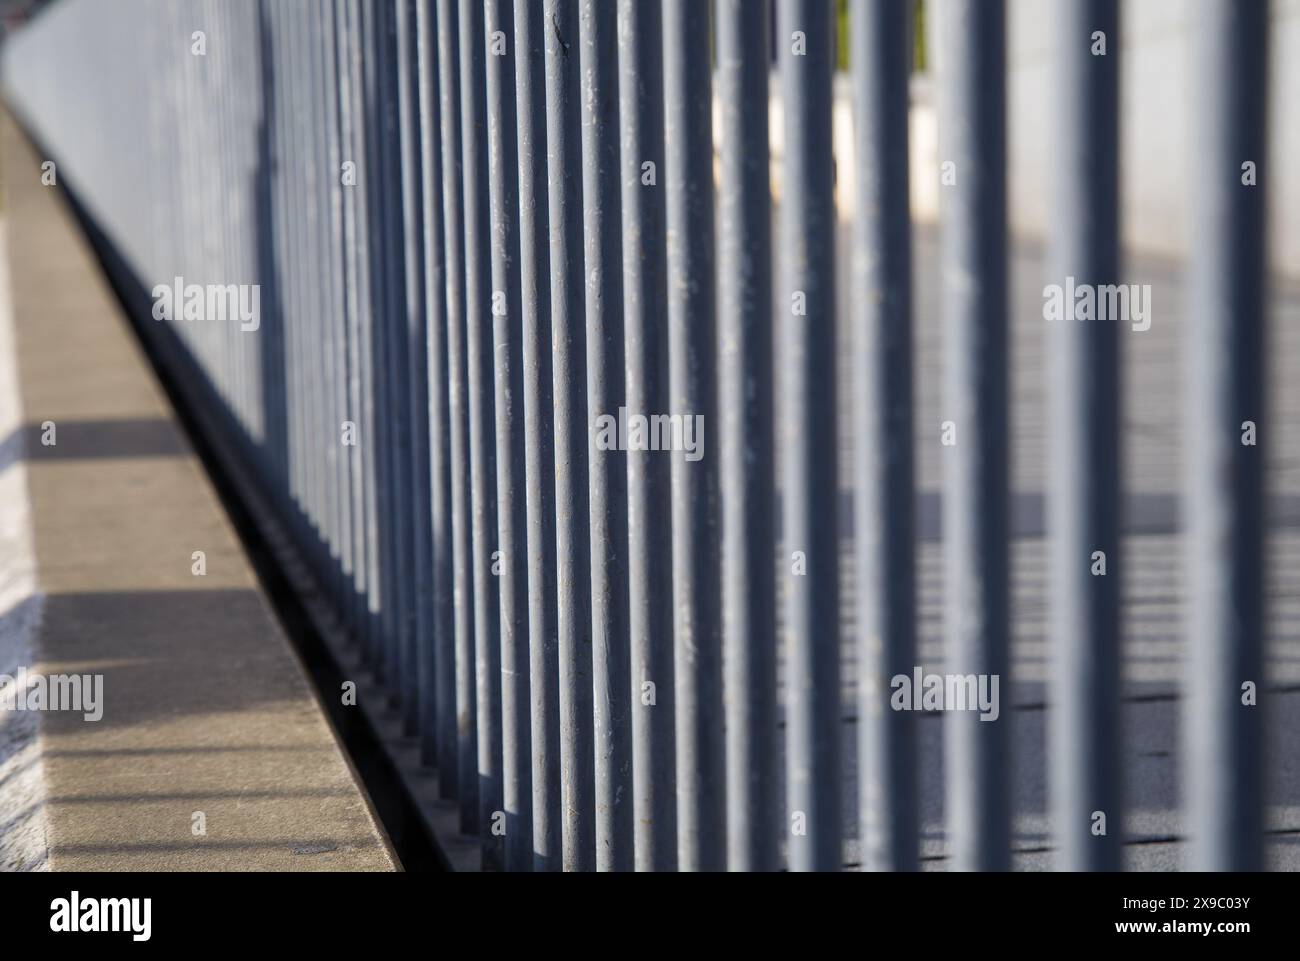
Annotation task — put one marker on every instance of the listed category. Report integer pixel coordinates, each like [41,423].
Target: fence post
[807,439]
[688,178]
[418,646]
[458,403]
[482,427]
[607,468]
[572,434]
[507,325]
[973,254]
[882,402]
[442,748]
[1226,571]
[1084,441]
[539,449]
[654,775]
[745,438]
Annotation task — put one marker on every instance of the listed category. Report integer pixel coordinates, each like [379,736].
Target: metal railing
[465,232]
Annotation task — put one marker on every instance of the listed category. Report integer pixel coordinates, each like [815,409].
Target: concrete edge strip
[24,842]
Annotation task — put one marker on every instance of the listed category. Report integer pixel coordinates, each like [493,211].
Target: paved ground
[206,708]
[1153,586]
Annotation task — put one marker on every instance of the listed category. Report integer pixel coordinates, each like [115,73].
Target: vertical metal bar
[356,294]
[482,435]
[746,437]
[338,268]
[400,315]
[369,429]
[1226,567]
[328,278]
[334,267]
[352,278]
[539,450]
[288,278]
[324,452]
[607,465]
[507,325]
[569,351]
[284,364]
[357,334]
[298,310]
[390,371]
[466,783]
[280,416]
[372,356]
[379,439]
[372,185]
[434,658]
[1085,445]
[344,270]
[881,267]
[367,439]
[808,440]
[295,368]
[323,441]
[417,649]
[315,308]
[973,268]
[688,174]
[640,89]
[442,750]
[384,439]
[286,367]
[399,511]
[319,310]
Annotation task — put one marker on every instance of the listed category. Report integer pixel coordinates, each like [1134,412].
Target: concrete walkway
[208,718]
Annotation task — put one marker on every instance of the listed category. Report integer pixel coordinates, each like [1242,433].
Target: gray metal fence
[422,252]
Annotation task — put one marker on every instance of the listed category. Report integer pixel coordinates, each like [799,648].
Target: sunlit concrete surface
[208,718]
